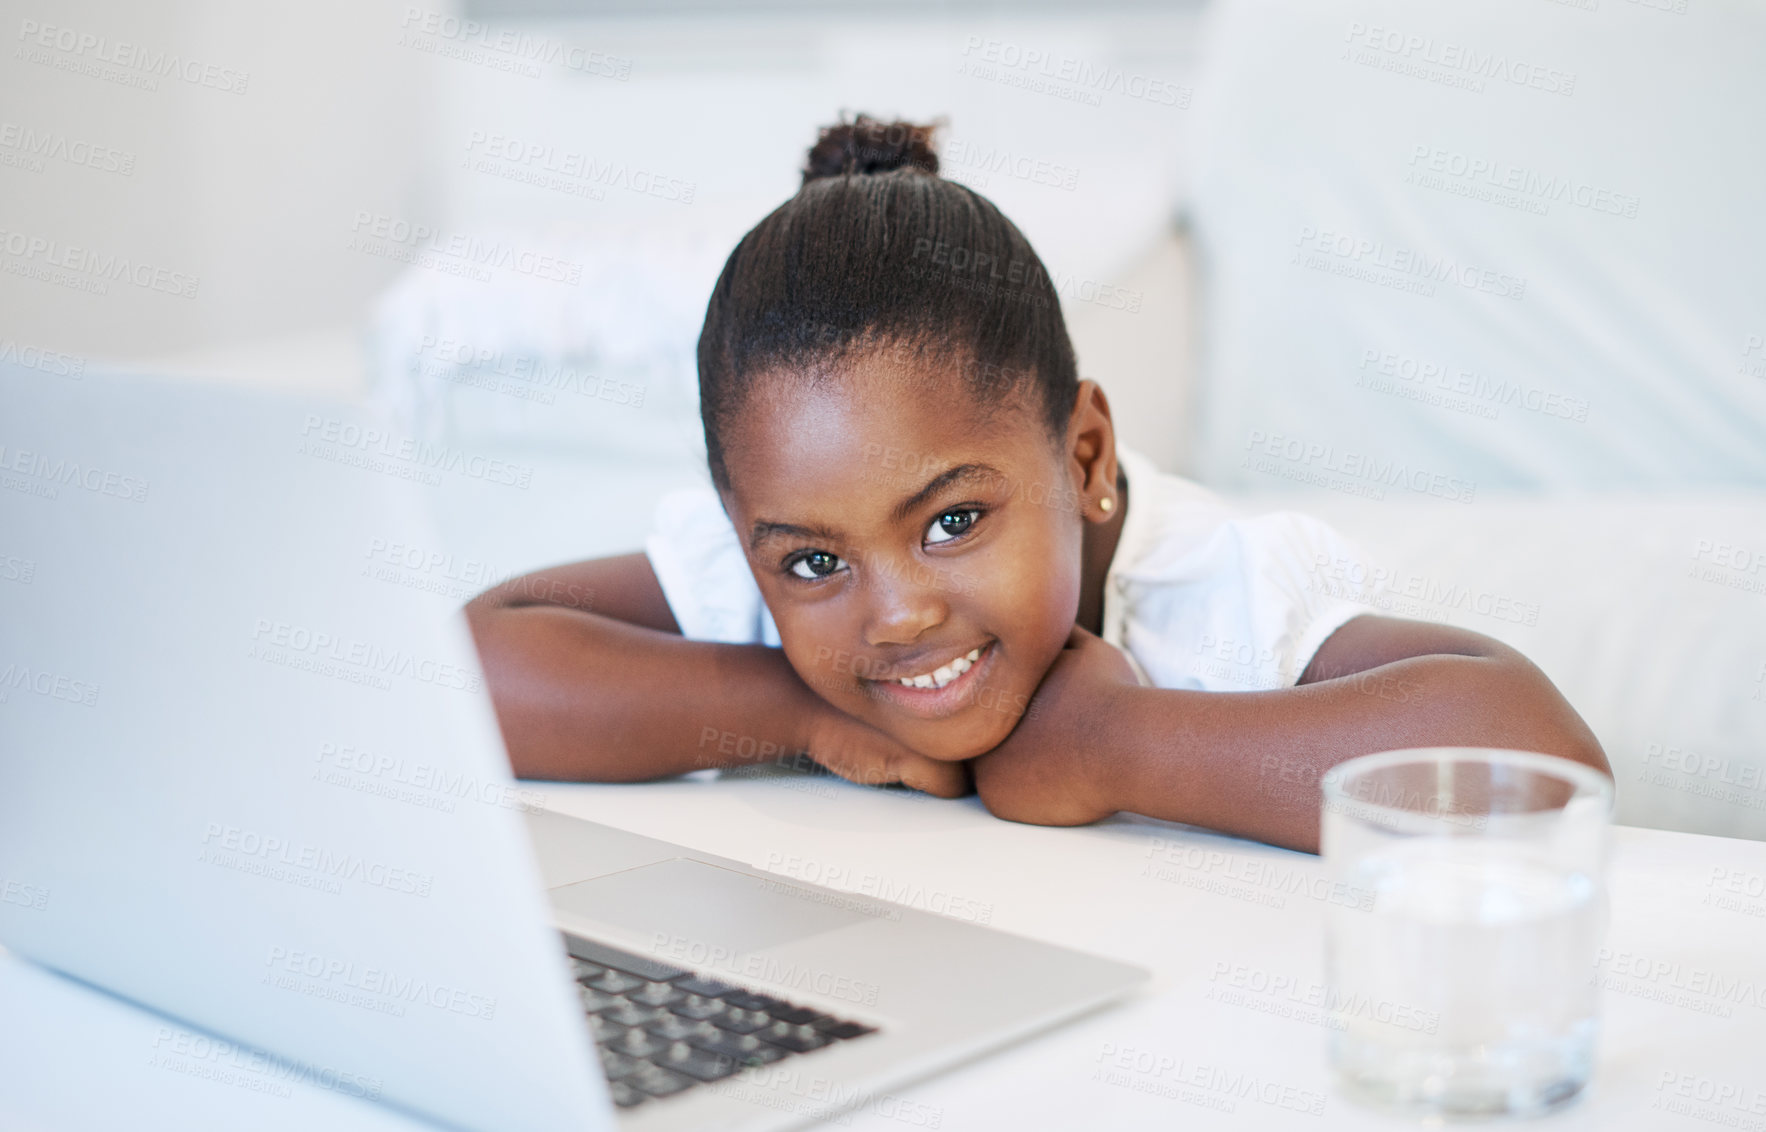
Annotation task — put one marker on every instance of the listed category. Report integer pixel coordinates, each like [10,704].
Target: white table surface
[1684,976]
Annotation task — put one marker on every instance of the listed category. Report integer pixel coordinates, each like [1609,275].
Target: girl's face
[901,531]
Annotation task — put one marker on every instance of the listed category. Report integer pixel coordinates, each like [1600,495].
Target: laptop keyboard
[661,1030]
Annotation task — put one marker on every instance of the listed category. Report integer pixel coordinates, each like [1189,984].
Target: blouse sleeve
[697,558]
[1244,607]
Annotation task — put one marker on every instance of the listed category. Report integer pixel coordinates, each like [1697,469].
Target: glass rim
[1585,780]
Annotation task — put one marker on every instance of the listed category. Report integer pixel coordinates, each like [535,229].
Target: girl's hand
[1054,768]
[860,753]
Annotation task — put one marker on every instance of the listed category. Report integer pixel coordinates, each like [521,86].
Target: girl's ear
[1091,447]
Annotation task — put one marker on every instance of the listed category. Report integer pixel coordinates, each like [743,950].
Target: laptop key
[744,1048]
[740,1021]
[616,982]
[657,994]
[624,1095]
[697,1063]
[797,1039]
[657,1081]
[836,1028]
[698,1007]
[749,1001]
[631,1014]
[595,1001]
[637,1043]
[615,1065]
[709,988]
[583,970]
[674,1029]
[796,1015]
[604,1030]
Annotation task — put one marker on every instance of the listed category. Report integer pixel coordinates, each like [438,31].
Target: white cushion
[1648,614]
[1454,247]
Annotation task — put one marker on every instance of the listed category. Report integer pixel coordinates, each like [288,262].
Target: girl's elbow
[1589,753]
[1565,735]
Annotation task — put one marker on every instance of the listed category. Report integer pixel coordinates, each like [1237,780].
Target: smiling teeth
[944,674]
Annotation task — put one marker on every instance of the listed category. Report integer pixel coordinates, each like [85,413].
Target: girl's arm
[592,680]
[1249,763]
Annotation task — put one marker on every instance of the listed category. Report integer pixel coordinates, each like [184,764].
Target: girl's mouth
[943,690]
[945,674]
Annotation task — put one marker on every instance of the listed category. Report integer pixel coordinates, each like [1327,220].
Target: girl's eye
[951,524]
[816,564]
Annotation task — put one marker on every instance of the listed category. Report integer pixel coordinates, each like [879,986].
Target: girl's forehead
[882,393]
[871,431]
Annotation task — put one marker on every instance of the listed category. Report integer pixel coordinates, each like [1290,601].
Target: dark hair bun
[870,145]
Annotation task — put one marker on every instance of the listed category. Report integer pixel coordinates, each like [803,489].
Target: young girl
[925,560]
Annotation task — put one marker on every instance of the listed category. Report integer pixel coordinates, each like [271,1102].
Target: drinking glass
[1466,986]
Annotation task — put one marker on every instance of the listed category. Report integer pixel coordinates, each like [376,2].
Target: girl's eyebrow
[962,473]
[765,529]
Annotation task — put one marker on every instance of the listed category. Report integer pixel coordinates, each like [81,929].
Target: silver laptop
[249,777]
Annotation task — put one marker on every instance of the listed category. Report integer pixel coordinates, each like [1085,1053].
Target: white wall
[352,107]
[729,105]
[252,193]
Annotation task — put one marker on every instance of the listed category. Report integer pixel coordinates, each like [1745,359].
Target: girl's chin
[944,749]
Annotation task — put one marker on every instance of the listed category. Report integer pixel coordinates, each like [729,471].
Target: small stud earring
[1106,504]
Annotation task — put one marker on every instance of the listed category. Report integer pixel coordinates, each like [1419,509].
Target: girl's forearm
[1250,763]
[585,697]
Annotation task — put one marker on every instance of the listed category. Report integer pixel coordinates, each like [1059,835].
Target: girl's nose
[901,608]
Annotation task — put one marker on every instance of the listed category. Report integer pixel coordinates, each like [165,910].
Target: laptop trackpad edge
[696,914]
